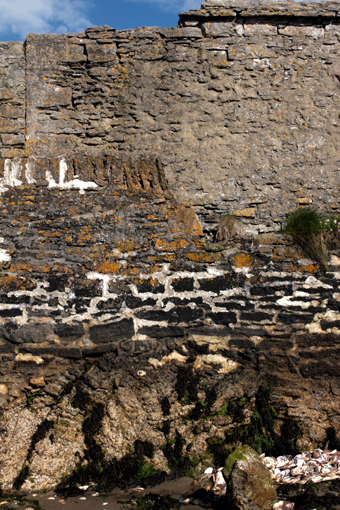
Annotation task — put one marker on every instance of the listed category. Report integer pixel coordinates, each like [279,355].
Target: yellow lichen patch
[166,257]
[199,245]
[203,257]
[108,267]
[248,213]
[11,283]
[20,267]
[310,268]
[183,219]
[305,200]
[62,269]
[85,236]
[152,269]
[124,246]
[242,260]
[163,245]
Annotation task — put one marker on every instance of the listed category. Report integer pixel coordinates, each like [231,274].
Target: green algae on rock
[249,480]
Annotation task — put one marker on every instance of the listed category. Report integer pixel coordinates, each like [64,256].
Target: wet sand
[114,500]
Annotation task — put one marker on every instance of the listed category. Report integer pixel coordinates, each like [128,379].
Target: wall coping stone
[304,12]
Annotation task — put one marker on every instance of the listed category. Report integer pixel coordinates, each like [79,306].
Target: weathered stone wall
[168,349]
[12,99]
[240,103]
[129,337]
[127,334]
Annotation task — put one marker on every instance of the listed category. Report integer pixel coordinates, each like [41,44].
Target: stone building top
[304,12]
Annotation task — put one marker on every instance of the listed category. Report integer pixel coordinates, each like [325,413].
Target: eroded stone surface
[250,481]
[129,336]
[240,103]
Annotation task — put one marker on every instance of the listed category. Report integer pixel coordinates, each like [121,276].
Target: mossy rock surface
[249,480]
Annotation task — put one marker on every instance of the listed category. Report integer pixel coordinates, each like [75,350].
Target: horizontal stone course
[113,332]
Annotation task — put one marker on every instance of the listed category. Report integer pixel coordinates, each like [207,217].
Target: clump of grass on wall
[228,226]
[315,234]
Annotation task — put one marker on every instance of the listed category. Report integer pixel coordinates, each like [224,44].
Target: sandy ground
[114,500]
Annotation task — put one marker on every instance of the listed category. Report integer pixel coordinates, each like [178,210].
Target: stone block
[12,112]
[223,317]
[52,95]
[112,332]
[182,284]
[101,52]
[150,285]
[159,332]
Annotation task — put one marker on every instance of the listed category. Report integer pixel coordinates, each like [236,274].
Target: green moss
[312,487]
[233,457]
[31,396]
[261,442]
[244,401]
[146,469]
[224,410]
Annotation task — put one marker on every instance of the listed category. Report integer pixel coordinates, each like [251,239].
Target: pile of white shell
[317,466]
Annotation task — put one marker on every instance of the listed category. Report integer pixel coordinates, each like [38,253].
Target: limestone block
[51,95]
[297,31]
[213,29]
[101,52]
[11,112]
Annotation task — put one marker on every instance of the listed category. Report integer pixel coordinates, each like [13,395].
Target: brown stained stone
[250,481]
[37,381]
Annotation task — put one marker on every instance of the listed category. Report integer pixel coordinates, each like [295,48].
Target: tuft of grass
[228,226]
[307,228]
[303,222]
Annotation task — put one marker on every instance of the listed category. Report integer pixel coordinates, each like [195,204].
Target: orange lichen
[243,260]
[203,257]
[109,267]
[125,246]
[163,245]
[250,212]
[183,219]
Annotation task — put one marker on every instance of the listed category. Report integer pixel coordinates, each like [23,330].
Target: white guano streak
[11,176]
[74,184]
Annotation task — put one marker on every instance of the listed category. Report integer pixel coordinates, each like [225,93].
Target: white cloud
[21,17]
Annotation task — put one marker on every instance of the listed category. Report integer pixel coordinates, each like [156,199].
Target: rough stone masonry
[130,341]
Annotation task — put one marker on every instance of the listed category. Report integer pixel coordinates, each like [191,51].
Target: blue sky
[20,17]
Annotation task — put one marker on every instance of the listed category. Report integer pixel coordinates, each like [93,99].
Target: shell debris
[316,466]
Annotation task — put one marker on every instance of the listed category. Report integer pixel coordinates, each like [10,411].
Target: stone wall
[12,99]
[127,333]
[127,336]
[240,103]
